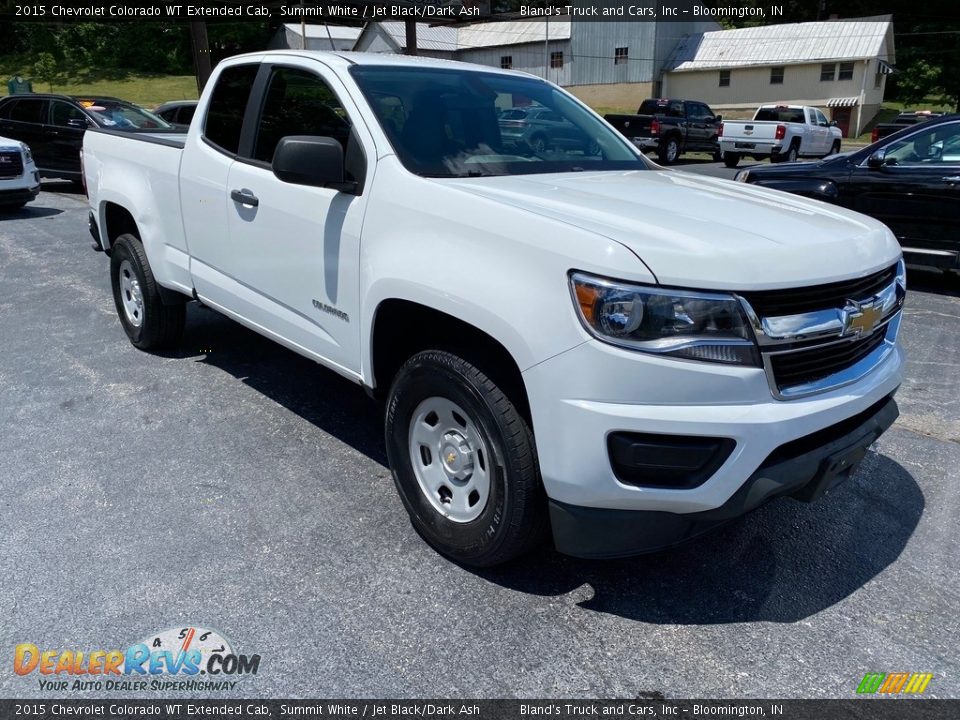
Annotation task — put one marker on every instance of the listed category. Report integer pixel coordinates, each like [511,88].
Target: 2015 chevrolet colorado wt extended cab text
[569,339]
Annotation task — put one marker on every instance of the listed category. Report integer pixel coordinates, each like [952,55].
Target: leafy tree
[45,69]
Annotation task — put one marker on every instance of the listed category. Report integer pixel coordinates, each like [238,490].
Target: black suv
[53,126]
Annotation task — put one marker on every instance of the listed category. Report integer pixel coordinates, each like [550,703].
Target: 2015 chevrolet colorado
[566,337]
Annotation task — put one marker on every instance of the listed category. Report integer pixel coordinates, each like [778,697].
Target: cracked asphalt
[234,485]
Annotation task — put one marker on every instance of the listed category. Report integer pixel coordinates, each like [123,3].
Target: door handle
[953,179]
[244,197]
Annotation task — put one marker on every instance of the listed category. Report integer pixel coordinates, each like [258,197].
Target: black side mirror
[718,118]
[77,123]
[877,160]
[311,160]
[834,123]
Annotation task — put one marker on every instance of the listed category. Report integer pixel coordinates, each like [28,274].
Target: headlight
[27,155]
[742,176]
[675,323]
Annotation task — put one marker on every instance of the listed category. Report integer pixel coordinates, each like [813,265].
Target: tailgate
[750,131]
[630,125]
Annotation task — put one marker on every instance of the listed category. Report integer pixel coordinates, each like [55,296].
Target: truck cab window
[227,106]
[299,103]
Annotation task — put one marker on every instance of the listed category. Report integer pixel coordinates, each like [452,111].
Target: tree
[45,69]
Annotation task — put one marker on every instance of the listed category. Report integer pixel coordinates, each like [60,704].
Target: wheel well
[402,328]
[118,221]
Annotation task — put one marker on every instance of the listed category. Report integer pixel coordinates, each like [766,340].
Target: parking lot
[237,486]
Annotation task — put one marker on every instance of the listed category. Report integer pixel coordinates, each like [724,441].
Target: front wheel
[463,461]
[149,323]
[731,160]
[834,149]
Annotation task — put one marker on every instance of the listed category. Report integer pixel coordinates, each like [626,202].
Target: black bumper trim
[20,195]
[822,464]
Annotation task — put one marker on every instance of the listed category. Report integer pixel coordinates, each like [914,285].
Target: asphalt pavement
[236,486]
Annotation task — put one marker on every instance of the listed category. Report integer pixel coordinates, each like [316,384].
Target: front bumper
[804,468]
[16,196]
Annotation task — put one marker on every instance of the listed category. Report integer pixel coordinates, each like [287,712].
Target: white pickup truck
[780,132]
[566,338]
[19,178]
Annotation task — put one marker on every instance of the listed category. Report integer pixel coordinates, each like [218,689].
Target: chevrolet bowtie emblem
[860,318]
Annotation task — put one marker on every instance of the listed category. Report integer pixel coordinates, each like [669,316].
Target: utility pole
[201,53]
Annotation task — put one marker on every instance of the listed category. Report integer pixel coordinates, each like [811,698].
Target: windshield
[451,123]
[123,116]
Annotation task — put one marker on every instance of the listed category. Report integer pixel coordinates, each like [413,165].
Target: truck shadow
[783,563]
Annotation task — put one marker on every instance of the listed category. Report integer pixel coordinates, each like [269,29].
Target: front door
[296,246]
[24,122]
[917,192]
[61,139]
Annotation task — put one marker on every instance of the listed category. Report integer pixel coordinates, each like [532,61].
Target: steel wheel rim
[449,459]
[792,155]
[131,296]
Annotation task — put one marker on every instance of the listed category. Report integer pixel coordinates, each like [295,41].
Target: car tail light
[875,135]
[781,132]
[655,127]
[720,130]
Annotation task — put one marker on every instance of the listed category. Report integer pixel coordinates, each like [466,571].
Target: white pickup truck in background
[19,178]
[783,133]
[564,337]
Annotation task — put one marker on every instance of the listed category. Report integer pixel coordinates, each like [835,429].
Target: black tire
[731,160]
[513,519]
[717,156]
[834,149]
[160,324]
[12,207]
[669,151]
[792,154]
[539,144]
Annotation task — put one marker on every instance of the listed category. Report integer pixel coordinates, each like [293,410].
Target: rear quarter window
[228,104]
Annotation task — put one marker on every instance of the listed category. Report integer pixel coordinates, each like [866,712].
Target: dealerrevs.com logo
[894,683]
[190,658]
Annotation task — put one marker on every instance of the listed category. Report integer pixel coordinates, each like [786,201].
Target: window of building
[506,62]
[827,72]
[556,59]
[620,56]
[878,79]
[724,78]
[776,75]
[846,71]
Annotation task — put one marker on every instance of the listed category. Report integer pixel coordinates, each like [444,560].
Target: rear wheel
[731,160]
[669,151]
[148,321]
[463,461]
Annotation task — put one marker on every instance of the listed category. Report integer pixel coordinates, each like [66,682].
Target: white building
[319,37]
[606,64]
[840,66]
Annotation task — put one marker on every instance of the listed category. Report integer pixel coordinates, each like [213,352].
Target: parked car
[881,130]
[53,126]
[178,112]
[671,128]
[541,130]
[910,181]
[780,132]
[627,355]
[19,179]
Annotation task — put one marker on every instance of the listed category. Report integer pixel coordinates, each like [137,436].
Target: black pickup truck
[671,127]
[904,119]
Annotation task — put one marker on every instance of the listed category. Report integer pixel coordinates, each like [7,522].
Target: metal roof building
[837,65]
[609,64]
[318,37]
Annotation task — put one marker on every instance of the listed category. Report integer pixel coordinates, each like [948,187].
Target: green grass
[148,90]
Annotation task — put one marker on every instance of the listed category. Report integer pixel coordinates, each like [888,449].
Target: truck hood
[703,232]
[8,145]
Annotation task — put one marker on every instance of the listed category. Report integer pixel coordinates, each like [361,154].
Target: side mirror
[834,123]
[877,160]
[77,123]
[311,160]
[718,118]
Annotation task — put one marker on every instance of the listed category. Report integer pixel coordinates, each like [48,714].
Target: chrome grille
[11,164]
[822,337]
